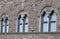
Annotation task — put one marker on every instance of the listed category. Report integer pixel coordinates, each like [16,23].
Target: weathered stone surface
[34,9]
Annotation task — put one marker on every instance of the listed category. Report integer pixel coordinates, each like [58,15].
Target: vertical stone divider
[22,4]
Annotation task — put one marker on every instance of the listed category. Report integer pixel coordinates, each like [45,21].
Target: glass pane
[26,20]
[2,22]
[6,28]
[45,18]
[53,17]
[53,27]
[6,23]
[3,27]
[21,28]
[45,27]
[26,28]
[21,21]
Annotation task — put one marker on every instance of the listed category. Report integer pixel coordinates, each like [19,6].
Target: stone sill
[34,33]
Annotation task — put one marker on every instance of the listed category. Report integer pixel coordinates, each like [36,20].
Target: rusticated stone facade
[34,9]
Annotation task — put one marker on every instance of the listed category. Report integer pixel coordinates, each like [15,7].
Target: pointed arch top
[48,10]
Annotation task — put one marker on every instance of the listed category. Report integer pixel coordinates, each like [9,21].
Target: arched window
[48,22]
[2,25]
[6,24]
[26,23]
[44,19]
[23,24]
[20,24]
[53,21]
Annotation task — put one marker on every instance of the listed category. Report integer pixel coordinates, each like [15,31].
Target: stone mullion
[49,24]
[5,25]
[41,24]
[18,24]
[23,25]
[1,26]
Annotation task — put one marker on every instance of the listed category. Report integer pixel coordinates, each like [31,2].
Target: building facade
[29,19]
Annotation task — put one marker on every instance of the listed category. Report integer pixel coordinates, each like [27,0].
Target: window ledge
[34,33]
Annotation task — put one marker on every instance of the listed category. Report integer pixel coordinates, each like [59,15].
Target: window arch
[2,25]
[48,22]
[20,24]
[26,23]
[53,21]
[44,19]
[23,23]
[6,24]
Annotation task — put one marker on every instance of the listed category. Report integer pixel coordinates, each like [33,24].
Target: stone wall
[30,36]
[33,8]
